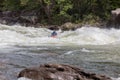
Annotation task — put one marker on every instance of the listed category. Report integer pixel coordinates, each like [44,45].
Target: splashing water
[23,78]
[17,35]
[27,42]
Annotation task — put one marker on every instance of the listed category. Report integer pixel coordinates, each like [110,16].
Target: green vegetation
[61,11]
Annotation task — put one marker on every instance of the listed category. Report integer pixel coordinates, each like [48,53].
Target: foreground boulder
[59,72]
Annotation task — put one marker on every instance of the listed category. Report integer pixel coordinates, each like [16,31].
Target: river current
[90,48]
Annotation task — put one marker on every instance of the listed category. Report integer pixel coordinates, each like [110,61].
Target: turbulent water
[93,49]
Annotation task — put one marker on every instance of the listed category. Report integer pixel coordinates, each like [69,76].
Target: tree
[61,11]
[12,5]
[1,4]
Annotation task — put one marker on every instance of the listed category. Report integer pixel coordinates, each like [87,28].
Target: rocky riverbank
[31,18]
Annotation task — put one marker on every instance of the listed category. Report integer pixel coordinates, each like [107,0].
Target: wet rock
[115,19]
[70,26]
[52,27]
[9,17]
[59,72]
[30,16]
[25,18]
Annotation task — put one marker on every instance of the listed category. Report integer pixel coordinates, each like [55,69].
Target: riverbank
[51,13]
[28,19]
[13,18]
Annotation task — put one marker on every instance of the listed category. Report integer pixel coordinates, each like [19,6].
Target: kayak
[54,36]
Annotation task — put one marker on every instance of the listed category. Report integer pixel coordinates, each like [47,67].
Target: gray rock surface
[115,19]
[59,72]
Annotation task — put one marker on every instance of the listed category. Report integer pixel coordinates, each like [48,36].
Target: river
[92,49]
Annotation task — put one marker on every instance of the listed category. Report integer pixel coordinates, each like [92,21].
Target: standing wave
[20,35]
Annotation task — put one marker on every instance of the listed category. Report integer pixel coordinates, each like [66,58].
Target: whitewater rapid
[94,48]
[19,35]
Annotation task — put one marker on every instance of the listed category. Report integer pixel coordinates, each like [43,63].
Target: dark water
[98,59]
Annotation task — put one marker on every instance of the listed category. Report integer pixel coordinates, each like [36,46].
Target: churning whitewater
[18,35]
[92,48]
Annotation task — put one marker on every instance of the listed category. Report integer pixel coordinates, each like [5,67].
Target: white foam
[23,78]
[116,78]
[20,35]
[69,52]
[86,50]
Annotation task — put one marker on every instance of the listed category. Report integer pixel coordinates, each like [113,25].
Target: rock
[116,12]
[59,72]
[69,26]
[9,17]
[115,19]
[52,27]
[30,16]
[25,18]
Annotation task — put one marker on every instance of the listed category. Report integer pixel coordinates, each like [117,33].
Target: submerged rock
[59,72]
